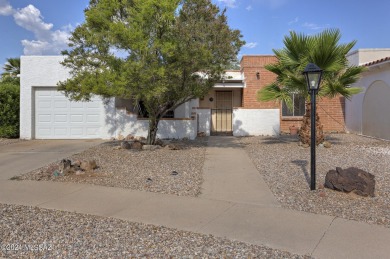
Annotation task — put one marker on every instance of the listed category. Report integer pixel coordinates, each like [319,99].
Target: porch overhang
[230,84]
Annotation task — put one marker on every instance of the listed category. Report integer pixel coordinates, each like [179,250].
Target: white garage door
[58,118]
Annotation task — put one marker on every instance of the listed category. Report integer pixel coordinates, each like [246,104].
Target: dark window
[143,113]
[298,106]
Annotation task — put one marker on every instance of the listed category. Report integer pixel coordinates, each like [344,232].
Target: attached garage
[56,117]
[46,113]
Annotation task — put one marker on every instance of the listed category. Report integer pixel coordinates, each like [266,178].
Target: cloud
[249,8]
[30,19]
[293,21]
[250,45]
[46,40]
[314,26]
[5,8]
[229,3]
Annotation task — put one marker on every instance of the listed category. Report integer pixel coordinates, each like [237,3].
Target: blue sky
[41,27]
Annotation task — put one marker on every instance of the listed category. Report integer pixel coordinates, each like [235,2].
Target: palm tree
[325,51]
[11,68]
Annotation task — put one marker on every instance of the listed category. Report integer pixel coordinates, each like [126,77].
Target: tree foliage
[326,52]
[163,52]
[11,70]
[9,109]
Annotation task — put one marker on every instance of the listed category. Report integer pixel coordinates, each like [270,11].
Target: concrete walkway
[235,204]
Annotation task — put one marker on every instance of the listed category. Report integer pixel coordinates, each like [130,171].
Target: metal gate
[222,117]
[221,122]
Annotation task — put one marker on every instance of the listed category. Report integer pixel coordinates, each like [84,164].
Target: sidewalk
[235,203]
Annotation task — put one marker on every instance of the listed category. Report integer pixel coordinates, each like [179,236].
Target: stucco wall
[204,120]
[256,122]
[125,124]
[36,71]
[354,107]
[363,56]
[46,72]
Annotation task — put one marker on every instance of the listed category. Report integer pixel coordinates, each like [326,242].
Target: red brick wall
[331,111]
[250,65]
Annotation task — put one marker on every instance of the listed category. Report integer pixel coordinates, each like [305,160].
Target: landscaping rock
[173,147]
[64,166]
[201,134]
[150,147]
[125,145]
[129,137]
[80,172]
[159,142]
[88,165]
[140,138]
[76,163]
[327,144]
[137,145]
[351,179]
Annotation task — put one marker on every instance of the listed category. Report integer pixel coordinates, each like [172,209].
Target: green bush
[9,110]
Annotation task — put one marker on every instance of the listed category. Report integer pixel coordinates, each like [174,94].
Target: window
[298,106]
[143,113]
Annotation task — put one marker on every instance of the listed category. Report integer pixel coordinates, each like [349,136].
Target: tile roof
[377,61]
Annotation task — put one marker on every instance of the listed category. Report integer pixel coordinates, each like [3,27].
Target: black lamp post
[313,76]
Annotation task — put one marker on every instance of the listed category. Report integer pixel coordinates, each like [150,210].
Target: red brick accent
[331,111]
[250,65]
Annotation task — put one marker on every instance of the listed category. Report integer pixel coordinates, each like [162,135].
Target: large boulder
[351,179]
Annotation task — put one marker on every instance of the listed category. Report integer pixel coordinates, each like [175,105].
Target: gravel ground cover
[6,141]
[30,232]
[285,166]
[164,171]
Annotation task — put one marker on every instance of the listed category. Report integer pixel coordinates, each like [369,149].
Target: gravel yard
[164,171]
[42,233]
[6,141]
[285,166]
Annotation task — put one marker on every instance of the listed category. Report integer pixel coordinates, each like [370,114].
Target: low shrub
[9,110]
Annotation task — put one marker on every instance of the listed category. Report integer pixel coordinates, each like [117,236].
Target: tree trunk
[304,132]
[152,131]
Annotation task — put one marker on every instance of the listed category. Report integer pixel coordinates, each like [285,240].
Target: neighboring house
[368,113]
[229,108]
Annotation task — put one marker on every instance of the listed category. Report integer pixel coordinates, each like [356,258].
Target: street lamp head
[313,76]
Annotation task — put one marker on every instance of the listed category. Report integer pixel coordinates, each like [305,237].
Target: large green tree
[326,51]
[160,52]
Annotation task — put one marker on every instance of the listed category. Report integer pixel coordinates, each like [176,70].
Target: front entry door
[221,117]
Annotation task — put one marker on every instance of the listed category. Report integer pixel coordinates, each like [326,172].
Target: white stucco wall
[354,107]
[204,117]
[125,124]
[46,71]
[363,56]
[36,71]
[256,122]
[185,110]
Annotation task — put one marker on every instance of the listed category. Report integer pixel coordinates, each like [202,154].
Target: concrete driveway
[24,156]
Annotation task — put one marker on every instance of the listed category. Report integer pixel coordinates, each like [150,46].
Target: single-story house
[368,113]
[229,108]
